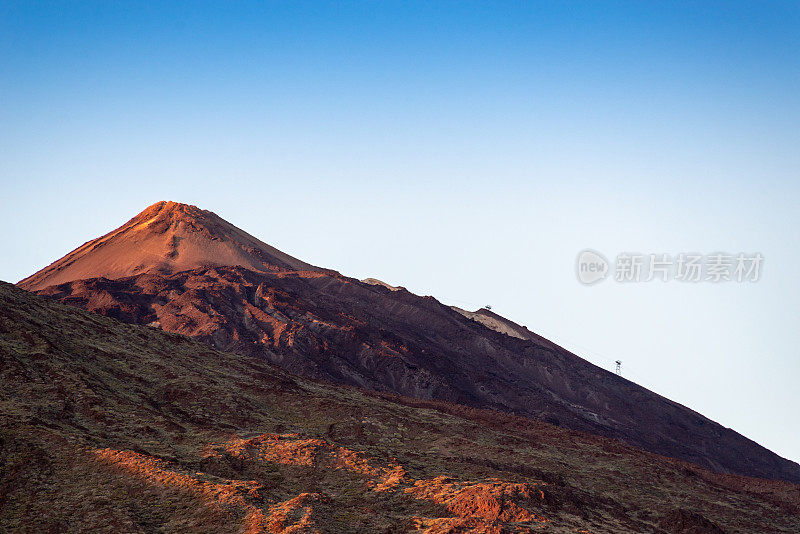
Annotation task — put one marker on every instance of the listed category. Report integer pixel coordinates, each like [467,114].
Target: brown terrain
[166,237]
[185,270]
[112,427]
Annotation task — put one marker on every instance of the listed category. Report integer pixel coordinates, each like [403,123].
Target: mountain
[167,237]
[323,325]
[498,323]
[111,427]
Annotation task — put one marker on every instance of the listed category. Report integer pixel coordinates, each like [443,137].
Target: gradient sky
[464,150]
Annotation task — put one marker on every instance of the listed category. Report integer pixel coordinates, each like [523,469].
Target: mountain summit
[186,271]
[167,237]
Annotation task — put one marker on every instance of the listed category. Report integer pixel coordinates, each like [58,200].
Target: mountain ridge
[324,325]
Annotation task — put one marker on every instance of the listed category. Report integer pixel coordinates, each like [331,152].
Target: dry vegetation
[120,428]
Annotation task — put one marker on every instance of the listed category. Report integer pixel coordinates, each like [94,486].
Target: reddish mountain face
[167,237]
[324,325]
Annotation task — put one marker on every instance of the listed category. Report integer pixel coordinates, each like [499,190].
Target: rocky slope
[110,427]
[166,237]
[327,326]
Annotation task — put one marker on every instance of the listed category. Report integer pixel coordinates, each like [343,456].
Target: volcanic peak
[167,237]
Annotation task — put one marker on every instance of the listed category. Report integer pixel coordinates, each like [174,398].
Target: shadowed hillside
[121,428]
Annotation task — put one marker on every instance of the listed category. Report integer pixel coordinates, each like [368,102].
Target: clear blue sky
[464,150]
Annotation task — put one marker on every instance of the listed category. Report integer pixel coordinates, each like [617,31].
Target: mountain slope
[327,326]
[166,237]
[109,427]
[498,323]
